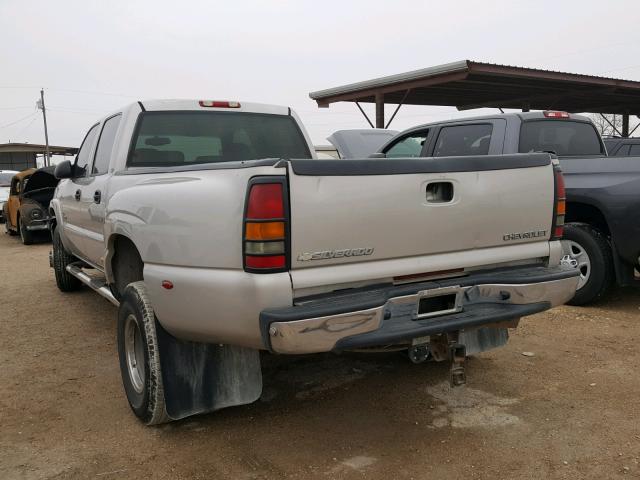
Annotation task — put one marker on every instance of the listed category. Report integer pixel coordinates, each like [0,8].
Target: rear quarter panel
[612,185]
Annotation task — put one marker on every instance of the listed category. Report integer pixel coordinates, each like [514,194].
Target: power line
[35,117]
[18,121]
[80,112]
[88,92]
[84,92]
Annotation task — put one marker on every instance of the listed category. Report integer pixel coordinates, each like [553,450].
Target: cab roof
[25,173]
[523,116]
[179,104]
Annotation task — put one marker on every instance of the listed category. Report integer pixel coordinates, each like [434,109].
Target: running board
[97,284]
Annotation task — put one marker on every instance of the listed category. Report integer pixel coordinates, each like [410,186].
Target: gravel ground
[572,410]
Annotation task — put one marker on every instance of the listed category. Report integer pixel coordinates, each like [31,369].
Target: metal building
[20,156]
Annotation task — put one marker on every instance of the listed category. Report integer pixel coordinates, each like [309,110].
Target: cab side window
[83,157]
[105,145]
[410,146]
[463,140]
[634,150]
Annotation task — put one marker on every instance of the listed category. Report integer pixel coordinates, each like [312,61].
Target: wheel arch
[580,212]
[122,250]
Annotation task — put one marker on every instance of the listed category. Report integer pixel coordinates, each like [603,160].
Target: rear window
[559,136]
[463,140]
[189,138]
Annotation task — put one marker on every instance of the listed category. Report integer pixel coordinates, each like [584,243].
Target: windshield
[5,179]
[188,138]
[563,137]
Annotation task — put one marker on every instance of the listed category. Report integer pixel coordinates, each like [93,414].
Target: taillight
[218,104]
[560,204]
[555,114]
[265,233]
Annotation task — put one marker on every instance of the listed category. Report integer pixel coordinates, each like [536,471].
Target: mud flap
[482,339]
[203,377]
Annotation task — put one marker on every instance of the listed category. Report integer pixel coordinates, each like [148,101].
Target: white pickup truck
[218,234]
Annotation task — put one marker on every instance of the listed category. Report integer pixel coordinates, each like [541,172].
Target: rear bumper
[389,314]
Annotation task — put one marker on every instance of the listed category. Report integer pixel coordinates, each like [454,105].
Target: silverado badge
[523,235]
[327,254]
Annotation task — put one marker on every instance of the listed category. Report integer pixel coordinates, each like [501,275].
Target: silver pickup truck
[218,234]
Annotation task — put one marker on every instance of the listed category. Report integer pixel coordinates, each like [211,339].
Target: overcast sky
[92,57]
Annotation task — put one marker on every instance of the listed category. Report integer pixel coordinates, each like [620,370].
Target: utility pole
[40,104]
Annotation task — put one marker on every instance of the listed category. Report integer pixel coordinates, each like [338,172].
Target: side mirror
[63,170]
[378,155]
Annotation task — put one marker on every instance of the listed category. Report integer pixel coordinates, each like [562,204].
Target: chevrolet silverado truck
[218,235]
[602,220]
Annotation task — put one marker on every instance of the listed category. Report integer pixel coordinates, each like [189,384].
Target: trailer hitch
[457,372]
[446,347]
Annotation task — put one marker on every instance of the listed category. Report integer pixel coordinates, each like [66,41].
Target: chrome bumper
[322,334]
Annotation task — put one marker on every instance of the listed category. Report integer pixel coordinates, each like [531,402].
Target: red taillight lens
[560,207]
[265,201]
[265,226]
[273,262]
[555,114]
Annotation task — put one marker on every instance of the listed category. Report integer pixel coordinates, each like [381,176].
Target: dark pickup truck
[622,147]
[602,221]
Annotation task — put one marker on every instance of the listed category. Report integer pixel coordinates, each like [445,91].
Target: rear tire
[25,235]
[140,357]
[64,280]
[588,249]
[7,228]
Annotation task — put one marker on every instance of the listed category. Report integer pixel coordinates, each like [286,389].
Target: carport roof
[36,148]
[469,84]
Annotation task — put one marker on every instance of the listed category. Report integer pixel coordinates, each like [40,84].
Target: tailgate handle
[439,192]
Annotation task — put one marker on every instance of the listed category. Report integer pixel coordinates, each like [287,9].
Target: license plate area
[439,301]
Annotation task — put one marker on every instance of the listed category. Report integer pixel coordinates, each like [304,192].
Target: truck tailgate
[348,211]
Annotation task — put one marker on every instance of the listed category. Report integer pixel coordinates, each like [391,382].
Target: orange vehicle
[27,209]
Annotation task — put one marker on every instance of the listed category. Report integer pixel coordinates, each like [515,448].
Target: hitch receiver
[457,373]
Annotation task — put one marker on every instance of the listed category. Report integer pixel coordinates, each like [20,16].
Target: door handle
[439,192]
[97,196]
[77,195]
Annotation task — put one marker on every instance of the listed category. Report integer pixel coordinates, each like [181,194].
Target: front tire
[25,235]
[140,357]
[587,249]
[64,280]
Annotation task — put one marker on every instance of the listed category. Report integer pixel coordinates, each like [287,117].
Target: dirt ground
[572,410]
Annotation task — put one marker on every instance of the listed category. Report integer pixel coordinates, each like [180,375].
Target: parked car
[623,147]
[602,222]
[359,143]
[27,209]
[326,152]
[5,186]
[356,143]
[218,234]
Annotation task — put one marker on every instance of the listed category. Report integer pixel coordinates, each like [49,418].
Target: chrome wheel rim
[134,353]
[576,256]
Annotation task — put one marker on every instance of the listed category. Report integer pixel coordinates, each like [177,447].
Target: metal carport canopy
[468,84]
